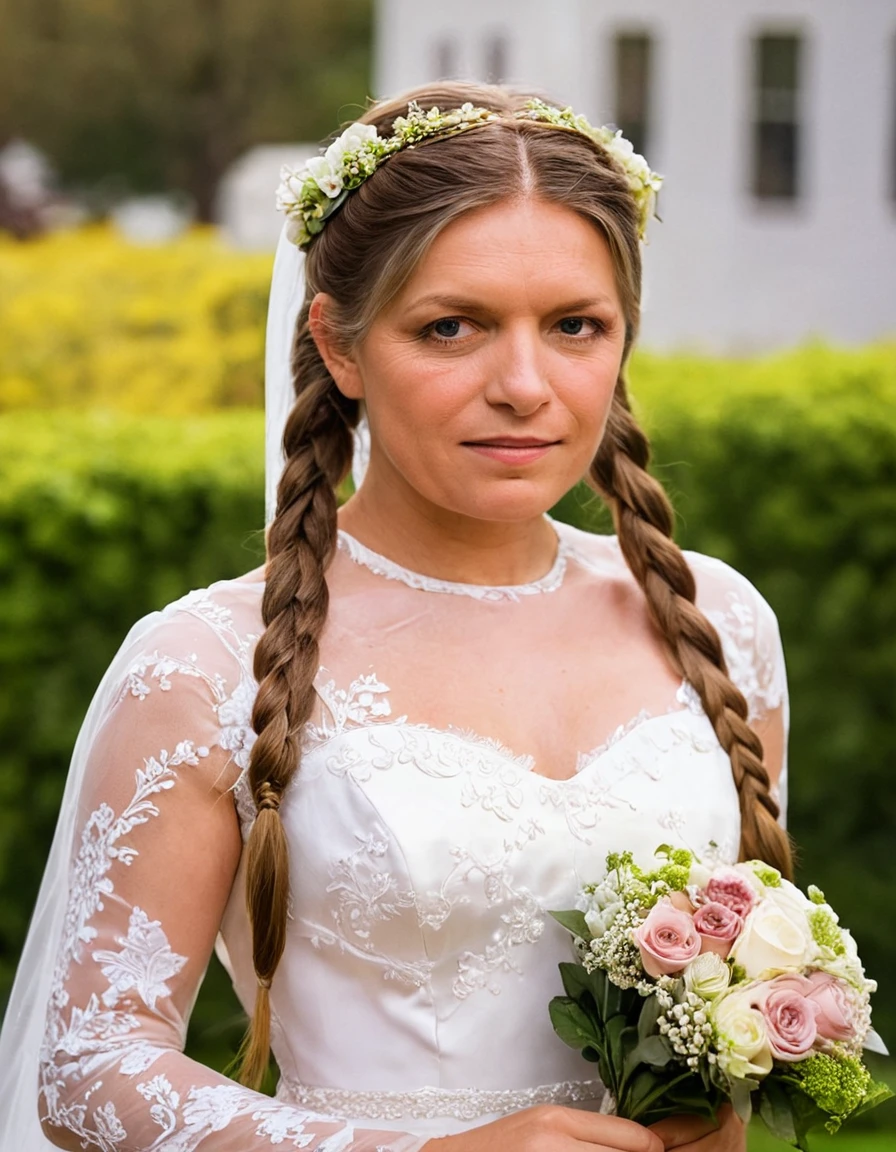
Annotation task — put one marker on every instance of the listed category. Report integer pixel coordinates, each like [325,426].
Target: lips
[511,442]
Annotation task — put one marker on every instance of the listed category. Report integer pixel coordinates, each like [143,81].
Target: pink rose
[732,890]
[718,926]
[836,1019]
[667,939]
[790,1017]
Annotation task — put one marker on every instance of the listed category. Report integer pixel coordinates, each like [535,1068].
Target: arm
[155,854]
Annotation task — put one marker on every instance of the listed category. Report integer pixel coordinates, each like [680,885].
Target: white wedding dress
[473,756]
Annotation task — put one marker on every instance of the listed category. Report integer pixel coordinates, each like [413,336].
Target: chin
[511,502]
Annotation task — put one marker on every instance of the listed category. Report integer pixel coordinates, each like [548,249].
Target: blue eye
[446,328]
[572,325]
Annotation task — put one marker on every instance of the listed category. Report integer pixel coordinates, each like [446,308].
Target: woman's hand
[696,1134]
[553,1128]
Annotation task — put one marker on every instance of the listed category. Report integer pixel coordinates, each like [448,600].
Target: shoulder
[745,621]
[194,652]
[748,629]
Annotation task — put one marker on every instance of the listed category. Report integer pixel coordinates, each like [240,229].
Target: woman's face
[489,378]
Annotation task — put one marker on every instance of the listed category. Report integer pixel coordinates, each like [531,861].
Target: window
[496,60]
[445,58]
[776,126]
[632,88]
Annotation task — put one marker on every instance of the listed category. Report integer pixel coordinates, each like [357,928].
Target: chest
[413,844]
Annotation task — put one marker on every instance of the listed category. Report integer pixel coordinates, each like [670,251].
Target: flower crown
[311,194]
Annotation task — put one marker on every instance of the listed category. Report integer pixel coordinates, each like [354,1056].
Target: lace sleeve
[155,852]
[751,640]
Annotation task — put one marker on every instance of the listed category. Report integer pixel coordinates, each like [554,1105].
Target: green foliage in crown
[311,194]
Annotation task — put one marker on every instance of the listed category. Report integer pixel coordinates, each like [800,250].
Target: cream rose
[775,937]
[743,1041]
[707,975]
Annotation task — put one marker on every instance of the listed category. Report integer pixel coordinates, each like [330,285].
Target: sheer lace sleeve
[751,641]
[155,851]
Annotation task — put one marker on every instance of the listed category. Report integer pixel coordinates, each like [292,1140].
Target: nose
[518,371]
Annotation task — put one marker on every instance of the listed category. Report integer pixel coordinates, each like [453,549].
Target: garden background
[131,462]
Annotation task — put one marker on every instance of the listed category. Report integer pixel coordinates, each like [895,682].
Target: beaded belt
[428,1103]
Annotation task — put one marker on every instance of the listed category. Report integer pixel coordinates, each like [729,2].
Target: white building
[774,122]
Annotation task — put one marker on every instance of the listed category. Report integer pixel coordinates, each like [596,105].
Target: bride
[370,770]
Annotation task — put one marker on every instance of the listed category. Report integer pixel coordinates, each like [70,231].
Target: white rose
[776,937]
[707,975]
[742,1038]
[324,176]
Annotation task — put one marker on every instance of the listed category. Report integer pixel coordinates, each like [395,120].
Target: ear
[341,365]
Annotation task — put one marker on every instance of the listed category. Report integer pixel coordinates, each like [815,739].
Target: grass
[760,1140]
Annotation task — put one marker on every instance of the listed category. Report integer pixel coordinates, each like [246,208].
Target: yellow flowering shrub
[88,320]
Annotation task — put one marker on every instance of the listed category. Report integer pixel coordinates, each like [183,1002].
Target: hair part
[362,259]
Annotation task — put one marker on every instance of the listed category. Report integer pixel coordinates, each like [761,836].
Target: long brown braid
[644,524]
[300,544]
[361,260]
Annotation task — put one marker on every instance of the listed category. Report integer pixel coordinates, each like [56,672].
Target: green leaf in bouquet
[577,981]
[621,1039]
[573,1025]
[656,1051]
[651,1095]
[573,921]
[651,1011]
[776,1110]
[742,1097]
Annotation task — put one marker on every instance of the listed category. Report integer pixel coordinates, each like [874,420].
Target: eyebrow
[468,304]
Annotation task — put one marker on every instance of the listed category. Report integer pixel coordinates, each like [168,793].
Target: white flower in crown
[308,196]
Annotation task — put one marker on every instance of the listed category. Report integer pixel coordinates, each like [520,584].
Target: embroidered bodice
[472,756]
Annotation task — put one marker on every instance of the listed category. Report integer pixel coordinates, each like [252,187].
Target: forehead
[516,248]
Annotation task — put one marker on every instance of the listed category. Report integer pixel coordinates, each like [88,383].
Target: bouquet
[697,984]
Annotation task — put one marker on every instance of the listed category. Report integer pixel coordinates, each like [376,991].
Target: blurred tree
[149,95]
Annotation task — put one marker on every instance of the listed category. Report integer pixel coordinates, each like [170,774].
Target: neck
[448,545]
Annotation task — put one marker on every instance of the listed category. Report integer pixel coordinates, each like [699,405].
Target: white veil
[23,1023]
[287,293]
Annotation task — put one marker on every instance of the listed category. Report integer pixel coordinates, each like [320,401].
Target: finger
[612,1132]
[676,1131]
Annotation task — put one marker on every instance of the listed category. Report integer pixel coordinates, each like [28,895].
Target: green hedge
[784,467]
[102,519]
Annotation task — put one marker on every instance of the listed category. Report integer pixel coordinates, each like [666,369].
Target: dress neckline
[382,566]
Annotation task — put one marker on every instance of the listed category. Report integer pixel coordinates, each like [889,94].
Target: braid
[301,541]
[644,523]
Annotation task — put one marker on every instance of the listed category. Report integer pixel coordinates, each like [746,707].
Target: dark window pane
[776,126]
[633,76]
